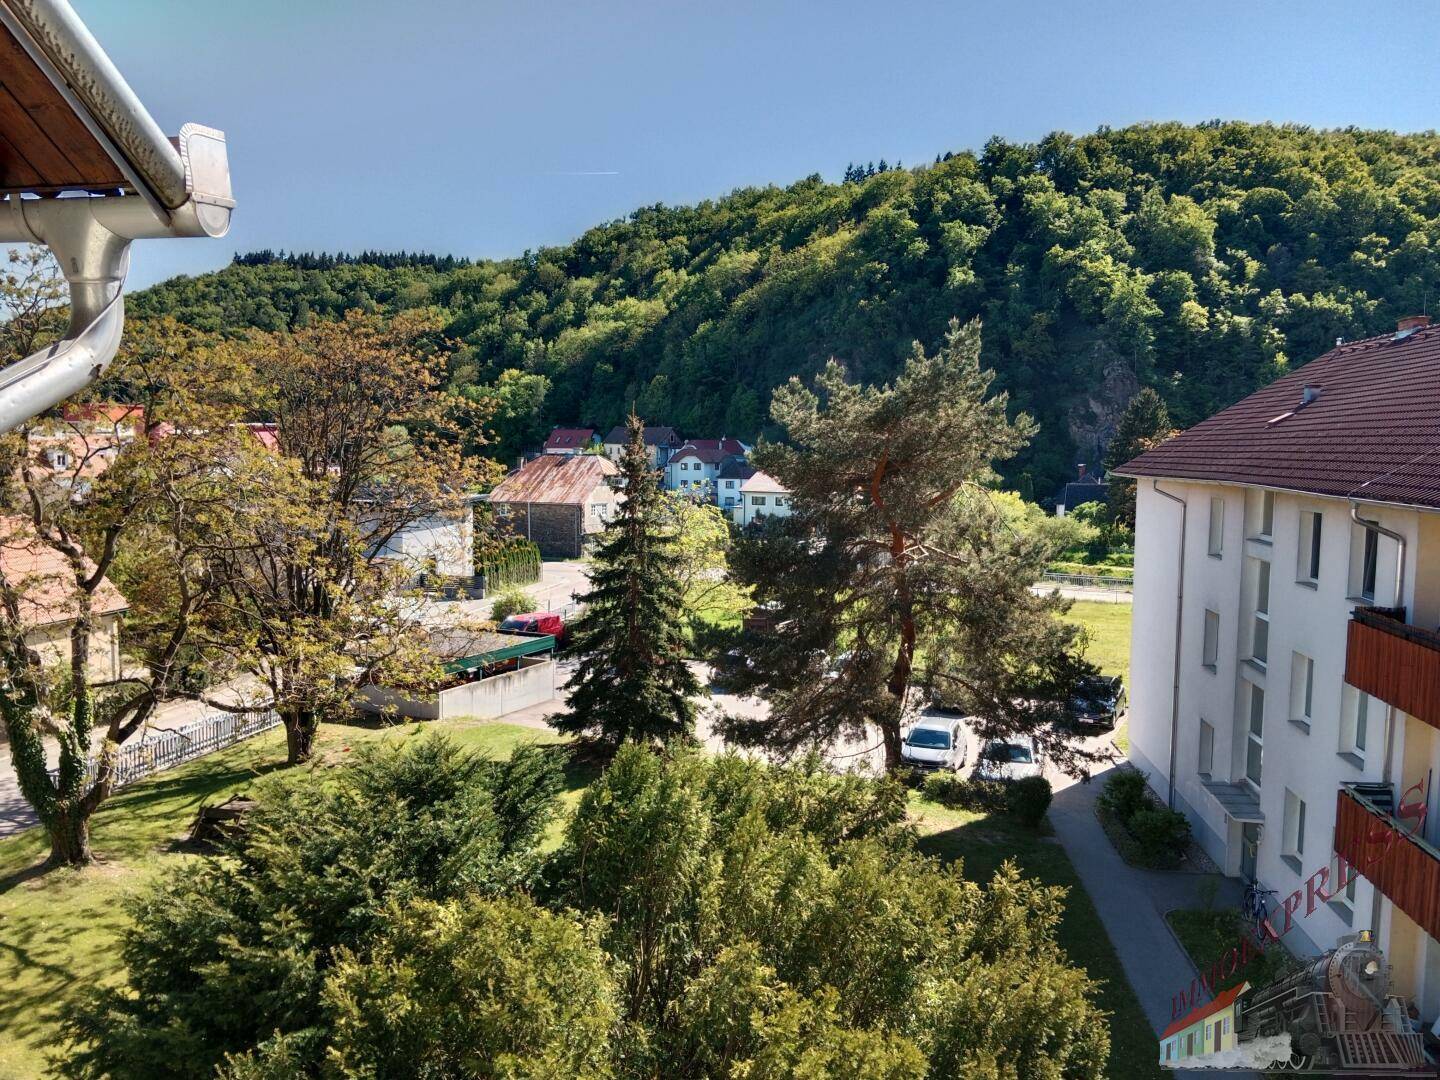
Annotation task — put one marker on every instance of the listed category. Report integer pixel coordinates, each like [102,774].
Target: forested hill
[1200,260]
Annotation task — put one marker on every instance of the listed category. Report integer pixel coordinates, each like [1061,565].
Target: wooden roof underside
[44,145]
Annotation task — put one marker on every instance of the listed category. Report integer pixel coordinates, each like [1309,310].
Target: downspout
[1179,625]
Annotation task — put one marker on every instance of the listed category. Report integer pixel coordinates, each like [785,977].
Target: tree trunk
[890,730]
[70,838]
[300,727]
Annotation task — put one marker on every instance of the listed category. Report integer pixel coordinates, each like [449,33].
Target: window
[1260,625]
[1211,649]
[1368,562]
[1267,525]
[1308,559]
[779,501]
[1255,736]
[1292,840]
[1226,1028]
[1302,687]
[1354,721]
[1217,526]
[757,500]
[1207,749]
[1259,514]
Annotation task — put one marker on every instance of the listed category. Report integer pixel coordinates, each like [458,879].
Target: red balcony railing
[1395,662]
[1402,866]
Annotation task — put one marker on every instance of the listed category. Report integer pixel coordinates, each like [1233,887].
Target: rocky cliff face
[1094,414]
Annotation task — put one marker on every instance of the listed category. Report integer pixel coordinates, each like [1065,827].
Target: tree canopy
[1201,260]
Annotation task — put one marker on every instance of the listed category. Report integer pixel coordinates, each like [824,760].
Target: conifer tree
[1144,424]
[632,683]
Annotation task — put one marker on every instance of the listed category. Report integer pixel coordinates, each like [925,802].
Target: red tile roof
[553,479]
[710,450]
[44,578]
[569,438]
[1222,1000]
[1372,431]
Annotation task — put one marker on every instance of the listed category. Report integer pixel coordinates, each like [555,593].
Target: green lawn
[1209,936]
[984,842]
[58,930]
[1109,628]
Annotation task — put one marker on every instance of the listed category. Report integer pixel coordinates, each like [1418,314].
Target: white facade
[1258,700]
[687,474]
[762,496]
[442,544]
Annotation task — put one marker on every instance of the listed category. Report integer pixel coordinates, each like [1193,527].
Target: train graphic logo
[1333,1017]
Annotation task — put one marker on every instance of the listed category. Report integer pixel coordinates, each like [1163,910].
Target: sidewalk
[1132,905]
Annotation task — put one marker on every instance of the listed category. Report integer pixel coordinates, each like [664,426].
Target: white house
[694,467]
[1286,666]
[441,544]
[728,482]
[762,496]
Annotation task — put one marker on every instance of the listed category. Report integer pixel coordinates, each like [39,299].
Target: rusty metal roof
[555,479]
[1362,422]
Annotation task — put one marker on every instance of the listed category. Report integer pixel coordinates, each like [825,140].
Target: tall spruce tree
[632,683]
[1145,423]
[895,568]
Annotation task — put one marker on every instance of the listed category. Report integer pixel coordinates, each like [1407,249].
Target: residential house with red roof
[695,465]
[1285,663]
[49,601]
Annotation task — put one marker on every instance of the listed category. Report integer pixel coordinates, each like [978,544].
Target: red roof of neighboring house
[268,435]
[1222,1001]
[710,451]
[112,412]
[44,578]
[1370,431]
[555,479]
[569,438]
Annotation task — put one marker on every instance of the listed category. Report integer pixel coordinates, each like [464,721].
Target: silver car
[934,743]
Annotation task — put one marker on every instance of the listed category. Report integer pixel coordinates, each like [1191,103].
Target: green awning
[528,646]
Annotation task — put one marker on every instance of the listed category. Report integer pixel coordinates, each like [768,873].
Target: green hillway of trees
[1200,260]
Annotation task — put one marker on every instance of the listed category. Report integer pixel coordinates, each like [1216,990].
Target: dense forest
[1200,260]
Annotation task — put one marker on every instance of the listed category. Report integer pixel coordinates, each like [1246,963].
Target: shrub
[979,796]
[509,563]
[1125,793]
[1161,833]
[511,602]
[1028,799]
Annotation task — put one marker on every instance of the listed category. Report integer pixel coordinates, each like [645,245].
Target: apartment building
[1285,669]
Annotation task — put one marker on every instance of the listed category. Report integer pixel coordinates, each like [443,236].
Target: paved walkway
[1132,904]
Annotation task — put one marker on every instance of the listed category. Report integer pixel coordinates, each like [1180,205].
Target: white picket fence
[165,749]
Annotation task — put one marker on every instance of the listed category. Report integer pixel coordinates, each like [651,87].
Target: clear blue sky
[483,129]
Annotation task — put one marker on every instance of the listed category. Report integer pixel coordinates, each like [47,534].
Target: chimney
[1309,394]
[1408,325]
[1080,470]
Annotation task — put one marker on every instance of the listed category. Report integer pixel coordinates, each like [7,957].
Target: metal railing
[165,749]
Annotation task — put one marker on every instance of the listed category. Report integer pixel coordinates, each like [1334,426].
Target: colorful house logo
[1205,1031]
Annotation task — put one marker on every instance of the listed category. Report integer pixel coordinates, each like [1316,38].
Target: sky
[485,129]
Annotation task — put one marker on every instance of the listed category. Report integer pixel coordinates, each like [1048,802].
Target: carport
[488,674]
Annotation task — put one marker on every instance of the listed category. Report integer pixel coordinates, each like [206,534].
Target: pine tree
[632,683]
[1144,424]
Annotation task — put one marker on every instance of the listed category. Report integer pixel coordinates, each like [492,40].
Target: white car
[935,742]
[1011,758]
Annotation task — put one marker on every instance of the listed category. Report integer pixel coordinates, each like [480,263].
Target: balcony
[1402,866]
[1395,662]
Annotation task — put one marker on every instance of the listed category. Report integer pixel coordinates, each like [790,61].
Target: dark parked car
[1098,702]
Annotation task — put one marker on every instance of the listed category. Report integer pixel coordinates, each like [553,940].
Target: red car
[536,622]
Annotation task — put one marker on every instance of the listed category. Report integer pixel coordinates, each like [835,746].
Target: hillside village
[969,619]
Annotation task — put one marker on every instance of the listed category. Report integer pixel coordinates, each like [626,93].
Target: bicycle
[1255,908]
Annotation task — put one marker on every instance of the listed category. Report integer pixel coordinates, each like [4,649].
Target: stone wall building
[559,501]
